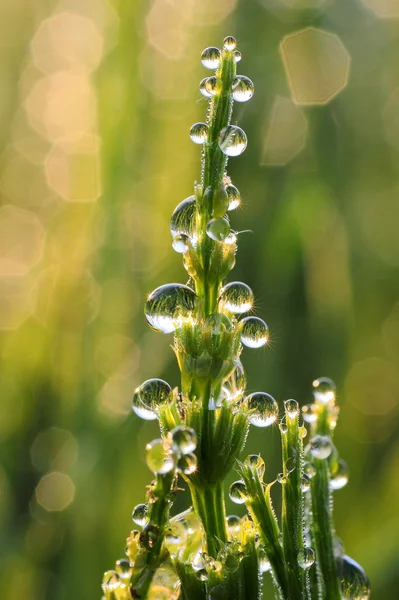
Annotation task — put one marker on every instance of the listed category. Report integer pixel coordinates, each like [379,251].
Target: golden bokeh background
[96,101]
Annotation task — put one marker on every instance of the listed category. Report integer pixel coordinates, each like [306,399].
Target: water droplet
[237,297]
[213,85]
[302,432]
[187,463]
[149,396]
[167,304]
[339,479]
[211,58]
[309,413]
[230,43]
[324,390]
[290,464]
[199,133]
[320,446]
[309,469]
[140,514]
[172,542]
[111,581]
[203,89]
[264,409]
[254,332]
[180,243]
[281,478]
[234,525]
[305,558]
[218,229]
[183,217]
[202,574]
[264,563]
[183,439]
[234,197]
[220,202]
[243,89]
[232,140]
[291,408]
[238,492]
[158,457]
[305,483]
[237,56]
[239,378]
[355,584]
[257,462]
[122,567]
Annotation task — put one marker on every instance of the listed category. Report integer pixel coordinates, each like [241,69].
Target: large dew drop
[211,58]
[256,462]
[140,514]
[232,140]
[254,332]
[234,197]
[187,463]
[320,446]
[243,89]
[237,297]
[238,492]
[264,409]
[183,439]
[213,85]
[149,396]
[199,133]
[230,43]
[324,390]
[183,217]
[181,243]
[305,558]
[339,479]
[218,229]
[355,584]
[167,304]
[158,457]
[203,89]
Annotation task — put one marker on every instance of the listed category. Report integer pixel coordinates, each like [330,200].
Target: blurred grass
[95,106]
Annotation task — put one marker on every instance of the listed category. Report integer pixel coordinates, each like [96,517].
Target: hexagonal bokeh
[54,449]
[286,133]
[66,41]
[55,491]
[372,385]
[16,301]
[316,65]
[384,9]
[22,239]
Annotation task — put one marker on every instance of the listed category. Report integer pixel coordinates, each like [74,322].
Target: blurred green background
[96,102]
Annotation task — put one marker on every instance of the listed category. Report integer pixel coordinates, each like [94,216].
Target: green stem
[208,503]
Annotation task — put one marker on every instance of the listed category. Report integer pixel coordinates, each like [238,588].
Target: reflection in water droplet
[324,390]
[180,243]
[211,58]
[243,89]
[305,483]
[320,446]
[158,457]
[291,408]
[264,409]
[167,304]
[254,332]
[213,85]
[230,43]
[355,584]
[257,462]
[340,478]
[238,492]
[111,581]
[183,217]
[218,229]
[302,432]
[234,197]
[237,297]
[183,439]
[122,567]
[237,56]
[140,514]
[187,463]
[233,525]
[309,413]
[199,133]
[232,140]
[148,397]
[203,89]
[305,558]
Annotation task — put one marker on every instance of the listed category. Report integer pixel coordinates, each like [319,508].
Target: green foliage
[201,553]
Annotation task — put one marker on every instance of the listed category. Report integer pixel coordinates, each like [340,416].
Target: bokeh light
[55,491]
[54,449]
[385,9]
[286,133]
[372,385]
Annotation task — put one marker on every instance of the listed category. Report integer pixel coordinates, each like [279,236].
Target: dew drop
[290,464]
[220,202]
[148,397]
[213,85]
[183,217]
[309,413]
[234,525]
[183,439]
[140,514]
[243,89]
[264,563]
[187,463]
[237,56]
[180,243]
[264,409]
[324,390]
[167,304]
[218,229]
[111,581]
[309,469]
[254,332]
[211,58]
[239,378]
[232,140]
[281,478]
[234,197]
[238,492]
[229,43]
[305,483]
[355,584]
[202,574]
[158,457]
[302,432]
[237,297]
[291,408]
[320,446]
[339,479]
[199,133]
[172,542]
[203,89]
[255,461]
[305,558]
[122,567]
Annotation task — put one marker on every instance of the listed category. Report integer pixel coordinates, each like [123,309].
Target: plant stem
[208,502]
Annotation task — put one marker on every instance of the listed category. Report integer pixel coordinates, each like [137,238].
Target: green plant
[201,553]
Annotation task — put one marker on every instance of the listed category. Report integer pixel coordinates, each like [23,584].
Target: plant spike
[201,554]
